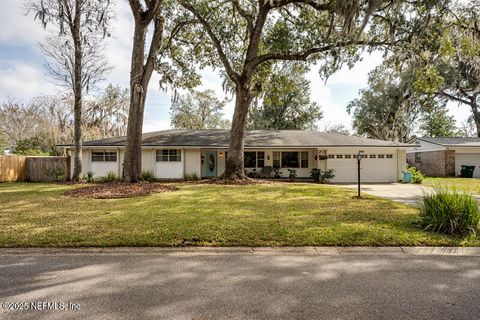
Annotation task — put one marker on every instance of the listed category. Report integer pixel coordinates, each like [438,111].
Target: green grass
[210,215]
[464,184]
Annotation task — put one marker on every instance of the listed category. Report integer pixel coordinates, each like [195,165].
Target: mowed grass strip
[470,185]
[39,215]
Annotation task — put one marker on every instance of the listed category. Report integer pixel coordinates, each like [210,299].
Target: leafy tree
[75,52]
[286,102]
[435,121]
[3,142]
[106,115]
[466,129]
[245,38]
[388,108]
[337,128]
[450,53]
[33,146]
[198,110]
[18,120]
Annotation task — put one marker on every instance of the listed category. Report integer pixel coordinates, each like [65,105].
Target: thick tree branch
[255,38]
[137,8]
[245,15]
[452,97]
[215,40]
[154,48]
[304,55]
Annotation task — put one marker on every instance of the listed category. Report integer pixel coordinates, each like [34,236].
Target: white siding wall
[169,170]
[426,146]
[193,162]
[148,160]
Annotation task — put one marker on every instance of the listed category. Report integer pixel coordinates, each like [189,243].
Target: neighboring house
[443,157]
[170,154]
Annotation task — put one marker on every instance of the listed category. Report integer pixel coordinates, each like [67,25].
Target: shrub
[55,174]
[110,176]
[190,177]
[292,174]
[449,211]
[147,175]
[417,176]
[277,174]
[320,176]
[89,176]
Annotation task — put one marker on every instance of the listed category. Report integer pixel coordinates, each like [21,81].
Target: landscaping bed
[116,190]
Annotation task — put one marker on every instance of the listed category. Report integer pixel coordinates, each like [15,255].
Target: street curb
[297,251]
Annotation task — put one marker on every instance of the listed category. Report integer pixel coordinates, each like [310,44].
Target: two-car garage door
[375,167]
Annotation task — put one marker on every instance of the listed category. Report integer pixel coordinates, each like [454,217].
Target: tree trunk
[132,164]
[234,168]
[476,115]
[77,91]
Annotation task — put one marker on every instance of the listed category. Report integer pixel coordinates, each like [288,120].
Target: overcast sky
[22,74]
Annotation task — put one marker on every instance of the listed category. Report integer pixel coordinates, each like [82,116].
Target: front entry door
[211,164]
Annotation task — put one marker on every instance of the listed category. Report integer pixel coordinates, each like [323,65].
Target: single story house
[443,157]
[170,154]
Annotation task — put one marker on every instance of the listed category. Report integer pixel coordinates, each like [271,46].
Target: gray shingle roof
[253,138]
[461,142]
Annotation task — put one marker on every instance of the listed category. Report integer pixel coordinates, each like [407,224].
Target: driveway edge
[299,251]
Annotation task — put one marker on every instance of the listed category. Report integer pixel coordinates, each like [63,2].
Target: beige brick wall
[434,163]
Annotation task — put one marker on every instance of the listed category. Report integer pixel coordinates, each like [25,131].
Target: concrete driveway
[407,193]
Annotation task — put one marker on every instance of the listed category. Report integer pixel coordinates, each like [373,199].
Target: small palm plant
[449,211]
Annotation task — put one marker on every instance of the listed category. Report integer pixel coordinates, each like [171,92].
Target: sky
[22,71]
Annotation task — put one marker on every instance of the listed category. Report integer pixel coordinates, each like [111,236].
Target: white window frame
[159,155]
[104,156]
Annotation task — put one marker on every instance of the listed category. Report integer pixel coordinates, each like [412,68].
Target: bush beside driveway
[288,214]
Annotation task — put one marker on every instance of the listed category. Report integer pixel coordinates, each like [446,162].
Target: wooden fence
[35,169]
[12,168]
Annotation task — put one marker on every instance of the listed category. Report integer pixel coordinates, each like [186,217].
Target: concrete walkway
[407,193]
[239,283]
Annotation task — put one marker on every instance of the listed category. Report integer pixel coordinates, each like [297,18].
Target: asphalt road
[240,286]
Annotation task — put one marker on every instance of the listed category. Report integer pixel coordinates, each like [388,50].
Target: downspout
[118,164]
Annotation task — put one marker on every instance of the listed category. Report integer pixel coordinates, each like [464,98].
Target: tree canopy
[198,110]
[285,102]
[245,38]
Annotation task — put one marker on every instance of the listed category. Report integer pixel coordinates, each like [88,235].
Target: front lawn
[465,184]
[208,215]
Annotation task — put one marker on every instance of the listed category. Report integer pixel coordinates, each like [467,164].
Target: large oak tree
[245,37]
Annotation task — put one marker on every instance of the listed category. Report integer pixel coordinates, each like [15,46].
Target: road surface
[295,284]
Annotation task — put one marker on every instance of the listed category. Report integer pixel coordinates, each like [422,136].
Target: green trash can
[467,171]
[407,177]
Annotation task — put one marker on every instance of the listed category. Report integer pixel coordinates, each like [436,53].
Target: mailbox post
[359,159]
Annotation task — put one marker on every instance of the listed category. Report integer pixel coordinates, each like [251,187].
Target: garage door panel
[468,159]
[372,170]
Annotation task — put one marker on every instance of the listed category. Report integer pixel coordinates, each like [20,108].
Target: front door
[211,164]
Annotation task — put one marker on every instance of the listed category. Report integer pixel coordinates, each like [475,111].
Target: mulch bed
[115,190]
[243,182]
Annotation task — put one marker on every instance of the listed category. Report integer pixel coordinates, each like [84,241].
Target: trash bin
[467,171]
[407,177]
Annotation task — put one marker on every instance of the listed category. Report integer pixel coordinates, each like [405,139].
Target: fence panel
[47,169]
[12,168]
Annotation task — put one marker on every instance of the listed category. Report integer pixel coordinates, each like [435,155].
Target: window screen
[276,159]
[304,159]
[250,159]
[290,160]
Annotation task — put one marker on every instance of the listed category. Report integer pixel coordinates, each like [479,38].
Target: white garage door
[467,159]
[375,167]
